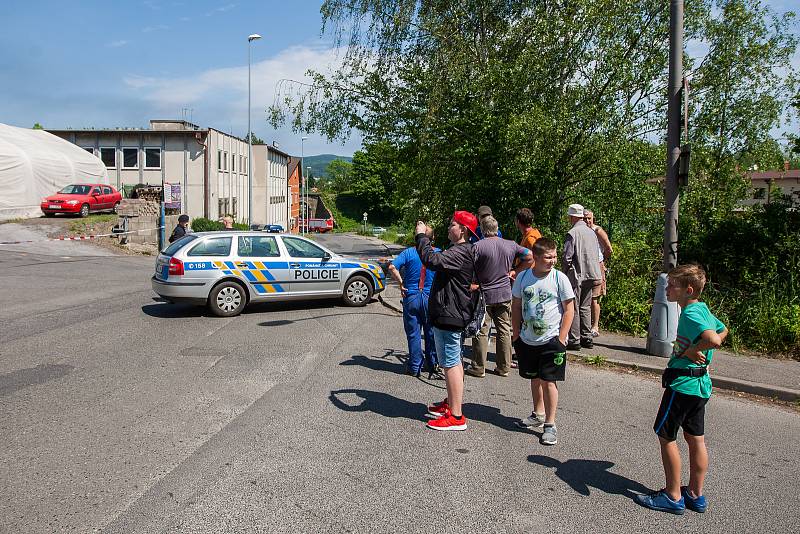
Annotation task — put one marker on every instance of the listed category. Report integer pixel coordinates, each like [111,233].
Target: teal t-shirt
[695,319]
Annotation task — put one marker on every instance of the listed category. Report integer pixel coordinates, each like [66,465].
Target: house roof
[294,162]
[774,175]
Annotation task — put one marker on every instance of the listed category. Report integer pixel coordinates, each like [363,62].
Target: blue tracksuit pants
[416,324]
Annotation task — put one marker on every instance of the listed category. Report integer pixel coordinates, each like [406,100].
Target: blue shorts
[448,347]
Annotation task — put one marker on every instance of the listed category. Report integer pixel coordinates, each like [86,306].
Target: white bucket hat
[575,210]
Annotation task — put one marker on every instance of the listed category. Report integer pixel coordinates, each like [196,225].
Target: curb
[721,382]
[390,306]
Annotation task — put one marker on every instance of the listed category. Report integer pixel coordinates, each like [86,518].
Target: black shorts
[548,361]
[679,410]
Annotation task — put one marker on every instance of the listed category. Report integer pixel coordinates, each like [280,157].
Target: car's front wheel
[84,210]
[357,291]
[228,299]
[116,207]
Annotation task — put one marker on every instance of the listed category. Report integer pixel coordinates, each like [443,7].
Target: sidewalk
[759,376]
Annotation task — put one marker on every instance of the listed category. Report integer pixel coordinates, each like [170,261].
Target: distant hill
[320,162]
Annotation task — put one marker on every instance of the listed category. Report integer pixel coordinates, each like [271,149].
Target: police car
[228,270]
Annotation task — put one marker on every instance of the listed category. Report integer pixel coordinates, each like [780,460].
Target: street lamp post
[302,185]
[250,39]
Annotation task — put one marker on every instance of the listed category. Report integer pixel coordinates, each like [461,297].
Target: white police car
[228,270]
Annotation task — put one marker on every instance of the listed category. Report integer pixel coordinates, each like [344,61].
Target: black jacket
[177,233]
[451,304]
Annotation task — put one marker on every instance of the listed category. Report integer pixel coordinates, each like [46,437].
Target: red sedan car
[82,199]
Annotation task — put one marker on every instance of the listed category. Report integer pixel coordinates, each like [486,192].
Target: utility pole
[662,330]
[671,194]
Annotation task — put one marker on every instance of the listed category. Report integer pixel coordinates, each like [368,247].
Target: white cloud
[221,9]
[219,96]
[117,44]
[160,27]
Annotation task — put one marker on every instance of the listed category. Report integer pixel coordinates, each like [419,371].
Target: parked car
[227,270]
[82,199]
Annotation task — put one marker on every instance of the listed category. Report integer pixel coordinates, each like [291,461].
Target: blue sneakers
[661,501]
[697,504]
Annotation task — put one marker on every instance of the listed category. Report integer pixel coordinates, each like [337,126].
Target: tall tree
[740,90]
[339,175]
[506,102]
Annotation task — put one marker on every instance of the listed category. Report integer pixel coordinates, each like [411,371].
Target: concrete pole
[662,330]
[671,194]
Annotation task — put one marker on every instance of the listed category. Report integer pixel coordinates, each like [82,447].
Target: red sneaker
[438,409]
[448,422]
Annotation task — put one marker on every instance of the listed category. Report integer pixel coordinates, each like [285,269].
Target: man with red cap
[450,308]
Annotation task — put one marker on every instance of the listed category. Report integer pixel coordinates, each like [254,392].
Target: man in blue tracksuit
[415,283]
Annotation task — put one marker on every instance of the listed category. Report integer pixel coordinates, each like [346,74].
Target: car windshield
[76,190]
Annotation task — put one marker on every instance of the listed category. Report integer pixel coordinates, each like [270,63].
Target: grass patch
[595,360]
[80,226]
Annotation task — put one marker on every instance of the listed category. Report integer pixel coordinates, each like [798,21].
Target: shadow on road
[165,310]
[22,378]
[379,403]
[390,406]
[580,475]
[392,362]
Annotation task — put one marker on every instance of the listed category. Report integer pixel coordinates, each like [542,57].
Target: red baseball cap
[467,219]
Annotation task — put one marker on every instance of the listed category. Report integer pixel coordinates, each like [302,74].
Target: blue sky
[88,63]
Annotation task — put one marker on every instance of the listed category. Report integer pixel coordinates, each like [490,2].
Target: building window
[225,161]
[233,163]
[760,193]
[130,158]
[152,158]
[219,160]
[109,156]
[241,164]
[89,149]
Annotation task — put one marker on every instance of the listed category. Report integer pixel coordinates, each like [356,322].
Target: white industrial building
[208,166]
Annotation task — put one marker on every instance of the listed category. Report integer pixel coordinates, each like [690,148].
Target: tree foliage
[521,102]
[339,175]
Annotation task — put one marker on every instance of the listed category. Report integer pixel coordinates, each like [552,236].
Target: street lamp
[308,175]
[250,39]
[302,168]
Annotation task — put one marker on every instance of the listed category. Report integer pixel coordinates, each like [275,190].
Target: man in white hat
[581,252]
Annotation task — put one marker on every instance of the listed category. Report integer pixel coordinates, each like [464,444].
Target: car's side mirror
[326,257]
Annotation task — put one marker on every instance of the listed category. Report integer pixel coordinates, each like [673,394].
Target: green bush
[752,260]
[201,224]
[631,285]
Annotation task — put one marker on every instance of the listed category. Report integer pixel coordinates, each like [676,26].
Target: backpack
[478,314]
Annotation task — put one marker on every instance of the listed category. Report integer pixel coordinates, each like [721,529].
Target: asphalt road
[119,413]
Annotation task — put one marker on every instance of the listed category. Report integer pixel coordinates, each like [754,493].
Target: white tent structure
[35,164]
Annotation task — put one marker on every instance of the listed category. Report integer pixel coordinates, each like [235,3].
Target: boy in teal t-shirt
[687,390]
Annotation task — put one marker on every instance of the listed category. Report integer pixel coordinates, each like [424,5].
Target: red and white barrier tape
[79,237]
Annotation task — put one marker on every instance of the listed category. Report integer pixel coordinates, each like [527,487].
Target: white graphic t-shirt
[542,304]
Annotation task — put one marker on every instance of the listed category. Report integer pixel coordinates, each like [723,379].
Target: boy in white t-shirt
[541,315]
